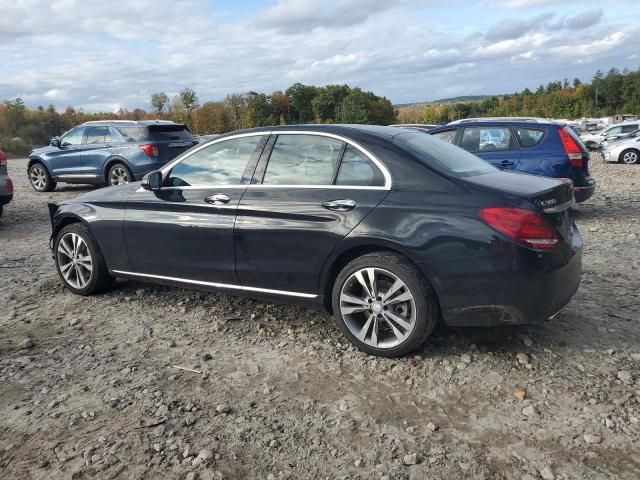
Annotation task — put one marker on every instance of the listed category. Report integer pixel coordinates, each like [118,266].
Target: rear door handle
[506,163]
[217,199]
[339,205]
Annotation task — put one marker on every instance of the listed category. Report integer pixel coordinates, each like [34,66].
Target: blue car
[111,152]
[533,146]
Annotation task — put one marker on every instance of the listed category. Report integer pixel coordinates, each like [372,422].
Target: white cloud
[118,54]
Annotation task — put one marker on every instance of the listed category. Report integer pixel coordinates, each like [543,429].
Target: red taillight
[524,226]
[3,158]
[571,148]
[150,149]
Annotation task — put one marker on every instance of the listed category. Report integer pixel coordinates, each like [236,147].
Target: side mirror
[55,142]
[152,181]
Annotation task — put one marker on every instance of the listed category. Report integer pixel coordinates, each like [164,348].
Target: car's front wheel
[119,174]
[79,261]
[40,179]
[630,157]
[383,304]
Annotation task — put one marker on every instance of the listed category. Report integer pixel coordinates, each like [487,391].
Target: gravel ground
[281,394]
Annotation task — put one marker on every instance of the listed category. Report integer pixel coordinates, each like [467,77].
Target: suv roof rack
[129,122]
[502,119]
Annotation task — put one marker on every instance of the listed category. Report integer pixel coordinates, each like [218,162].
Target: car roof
[132,123]
[348,130]
[496,123]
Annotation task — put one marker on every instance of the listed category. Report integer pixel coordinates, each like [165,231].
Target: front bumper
[608,156]
[512,288]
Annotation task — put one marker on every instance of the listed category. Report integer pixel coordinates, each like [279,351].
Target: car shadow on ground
[569,330]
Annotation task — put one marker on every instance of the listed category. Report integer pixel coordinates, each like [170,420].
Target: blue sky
[99,55]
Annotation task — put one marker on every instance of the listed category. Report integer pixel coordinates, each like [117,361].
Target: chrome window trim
[218,285]
[357,146]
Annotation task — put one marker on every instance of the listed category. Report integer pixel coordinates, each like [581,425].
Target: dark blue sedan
[534,146]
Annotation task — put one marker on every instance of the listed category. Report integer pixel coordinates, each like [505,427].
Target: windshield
[441,155]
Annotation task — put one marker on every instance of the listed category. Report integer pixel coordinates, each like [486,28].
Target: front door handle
[339,205]
[506,163]
[217,199]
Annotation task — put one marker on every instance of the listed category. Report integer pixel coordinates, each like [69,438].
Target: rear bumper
[582,194]
[513,288]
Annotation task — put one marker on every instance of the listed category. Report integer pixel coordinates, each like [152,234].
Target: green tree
[159,102]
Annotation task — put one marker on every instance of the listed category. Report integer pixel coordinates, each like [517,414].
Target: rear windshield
[442,156]
[170,132]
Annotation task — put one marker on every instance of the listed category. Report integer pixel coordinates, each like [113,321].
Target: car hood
[37,152]
[117,193]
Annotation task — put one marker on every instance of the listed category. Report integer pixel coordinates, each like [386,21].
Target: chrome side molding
[217,285]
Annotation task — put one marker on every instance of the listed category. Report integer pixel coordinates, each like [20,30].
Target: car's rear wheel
[40,179]
[119,174]
[79,261]
[630,157]
[383,304]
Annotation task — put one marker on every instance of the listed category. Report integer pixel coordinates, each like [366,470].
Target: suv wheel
[630,157]
[79,261]
[119,174]
[40,179]
[383,304]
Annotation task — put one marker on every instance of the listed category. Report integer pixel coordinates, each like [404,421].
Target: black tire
[40,179]
[426,303]
[630,156]
[100,279]
[121,171]
[1,209]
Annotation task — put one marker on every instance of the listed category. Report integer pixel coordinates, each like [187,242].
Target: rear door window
[221,163]
[529,137]
[303,160]
[96,135]
[486,139]
[358,170]
[629,128]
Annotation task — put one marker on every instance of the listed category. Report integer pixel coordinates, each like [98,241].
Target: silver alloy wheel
[74,260]
[630,158]
[377,307]
[118,176]
[38,177]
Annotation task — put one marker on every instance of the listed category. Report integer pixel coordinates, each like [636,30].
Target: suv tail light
[571,148]
[523,226]
[3,159]
[150,149]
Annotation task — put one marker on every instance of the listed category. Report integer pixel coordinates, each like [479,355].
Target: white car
[625,151]
[593,140]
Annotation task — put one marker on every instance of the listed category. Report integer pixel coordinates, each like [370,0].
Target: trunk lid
[551,197]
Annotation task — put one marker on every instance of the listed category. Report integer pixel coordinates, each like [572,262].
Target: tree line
[21,127]
[607,94]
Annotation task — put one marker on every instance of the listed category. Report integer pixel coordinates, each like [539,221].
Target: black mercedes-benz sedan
[390,229]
